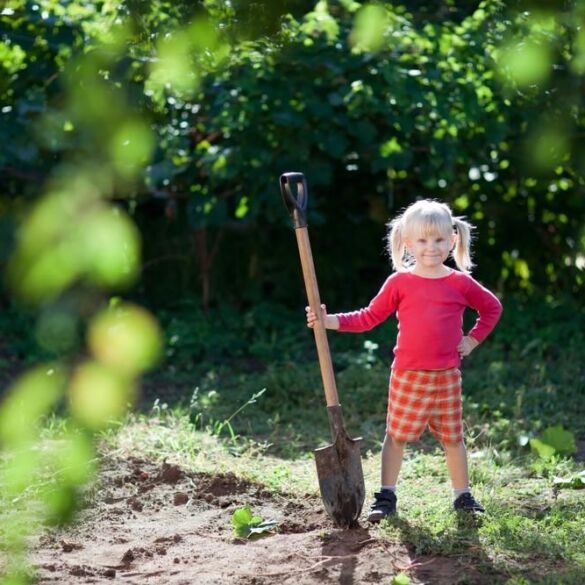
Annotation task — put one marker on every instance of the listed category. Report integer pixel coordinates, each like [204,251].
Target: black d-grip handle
[296,205]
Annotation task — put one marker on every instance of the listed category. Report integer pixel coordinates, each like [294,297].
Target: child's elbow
[498,309]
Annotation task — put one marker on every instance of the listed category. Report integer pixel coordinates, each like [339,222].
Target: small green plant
[246,525]
[400,579]
[216,426]
[554,441]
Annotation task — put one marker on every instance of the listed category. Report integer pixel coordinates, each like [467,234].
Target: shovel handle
[297,208]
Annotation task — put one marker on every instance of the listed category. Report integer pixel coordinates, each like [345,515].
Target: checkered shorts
[418,398]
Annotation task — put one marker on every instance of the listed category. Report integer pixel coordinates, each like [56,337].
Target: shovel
[339,465]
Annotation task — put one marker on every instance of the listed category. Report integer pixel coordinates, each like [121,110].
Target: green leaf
[401,579]
[243,208]
[561,440]
[552,441]
[389,147]
[242,517]
[543,450]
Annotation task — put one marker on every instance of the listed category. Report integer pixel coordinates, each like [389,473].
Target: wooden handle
[315,303]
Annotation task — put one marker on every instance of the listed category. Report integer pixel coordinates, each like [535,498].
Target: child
[429,299]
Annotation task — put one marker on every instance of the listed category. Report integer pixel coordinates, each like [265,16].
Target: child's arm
[489,308]
[379,309]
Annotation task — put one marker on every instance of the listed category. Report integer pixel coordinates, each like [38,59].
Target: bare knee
[391,441]
[449,446]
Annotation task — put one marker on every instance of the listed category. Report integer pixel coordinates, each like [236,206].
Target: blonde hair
[427,218]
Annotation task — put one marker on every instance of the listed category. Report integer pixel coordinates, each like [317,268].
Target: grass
[514,383]
[242,393]
[173,438]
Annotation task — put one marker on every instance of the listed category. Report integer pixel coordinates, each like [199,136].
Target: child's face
[430,250]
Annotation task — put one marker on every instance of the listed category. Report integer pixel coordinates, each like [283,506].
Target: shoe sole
[477,510]
[375,518]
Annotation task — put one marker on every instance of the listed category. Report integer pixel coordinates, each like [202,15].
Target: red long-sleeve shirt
[430,317]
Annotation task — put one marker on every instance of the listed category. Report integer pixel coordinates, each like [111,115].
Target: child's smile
[430,251]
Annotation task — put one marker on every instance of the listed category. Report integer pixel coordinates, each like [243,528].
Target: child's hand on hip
[467,345]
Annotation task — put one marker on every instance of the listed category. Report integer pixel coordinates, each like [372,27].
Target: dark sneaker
[468,503]
[384,505]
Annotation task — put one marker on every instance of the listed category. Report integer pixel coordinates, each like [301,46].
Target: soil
[152,523]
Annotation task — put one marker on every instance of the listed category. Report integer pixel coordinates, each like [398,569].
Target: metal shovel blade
[339,469]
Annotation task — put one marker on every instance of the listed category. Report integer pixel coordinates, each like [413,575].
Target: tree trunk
[205,260]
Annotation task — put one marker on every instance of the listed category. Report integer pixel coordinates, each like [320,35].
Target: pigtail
[395,244]
[462,251]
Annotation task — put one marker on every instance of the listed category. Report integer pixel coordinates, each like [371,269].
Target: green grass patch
[528,376]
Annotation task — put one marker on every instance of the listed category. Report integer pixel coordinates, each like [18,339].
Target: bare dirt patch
[153,523]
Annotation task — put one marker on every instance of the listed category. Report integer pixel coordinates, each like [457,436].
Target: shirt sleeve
[487,305]
[379,309]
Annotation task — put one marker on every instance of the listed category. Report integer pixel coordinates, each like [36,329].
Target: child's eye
[440,239]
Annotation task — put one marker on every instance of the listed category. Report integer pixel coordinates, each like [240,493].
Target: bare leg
[392,453]
[457,464]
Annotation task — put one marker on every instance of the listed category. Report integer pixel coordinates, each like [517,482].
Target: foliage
[73,246]
[525,378]
[432,101]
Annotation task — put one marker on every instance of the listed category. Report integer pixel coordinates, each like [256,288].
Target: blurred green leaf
[99,395]
[27,400]
[126,338]
[554,440]
[560,439]
[526,62]
[543,450]
[369,26]
[132,147]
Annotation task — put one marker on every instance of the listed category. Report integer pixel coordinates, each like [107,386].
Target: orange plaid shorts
[418,398]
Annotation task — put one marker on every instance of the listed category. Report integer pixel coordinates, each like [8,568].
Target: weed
[246,525]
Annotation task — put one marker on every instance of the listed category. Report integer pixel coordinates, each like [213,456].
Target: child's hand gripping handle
[297,206]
